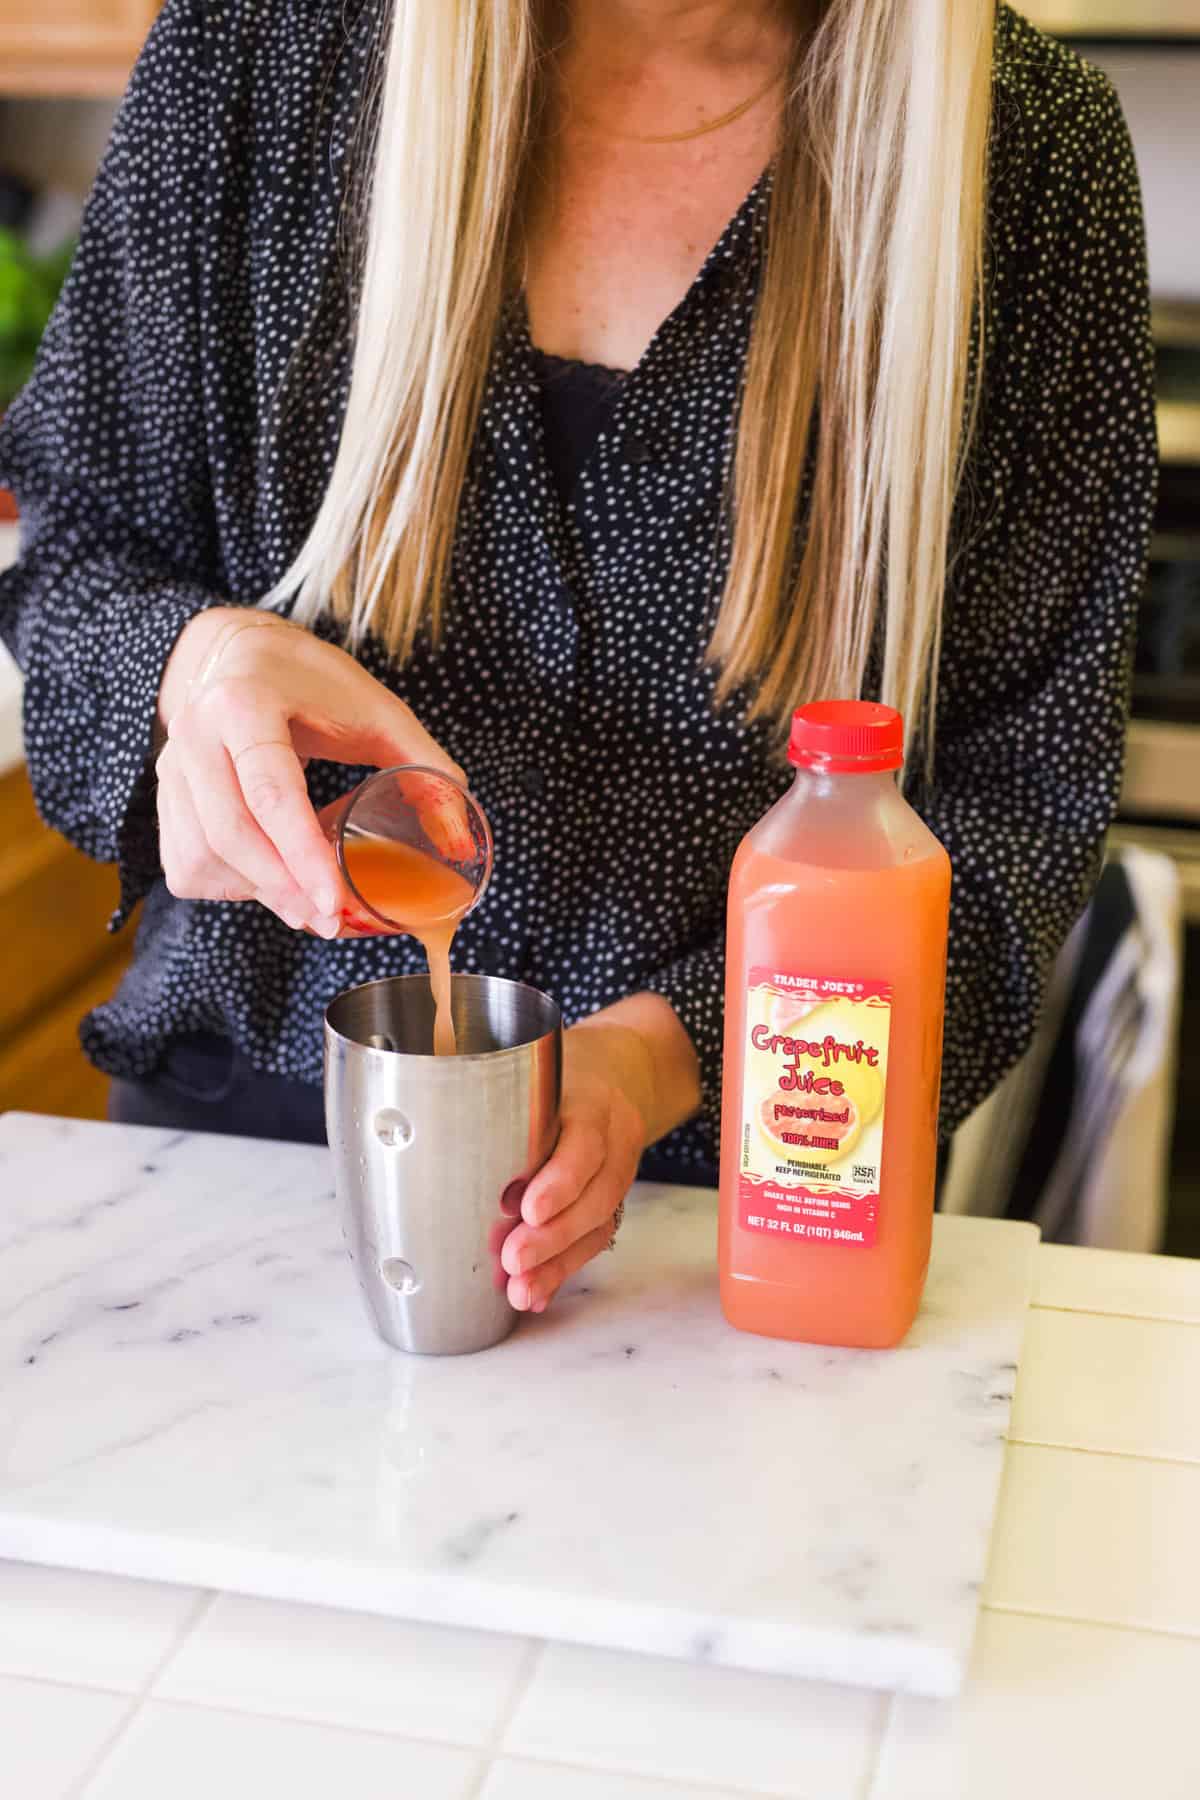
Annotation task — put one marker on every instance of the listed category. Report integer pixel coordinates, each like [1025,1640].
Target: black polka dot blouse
[171,451]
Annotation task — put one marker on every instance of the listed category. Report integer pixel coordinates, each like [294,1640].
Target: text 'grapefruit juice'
[835,982]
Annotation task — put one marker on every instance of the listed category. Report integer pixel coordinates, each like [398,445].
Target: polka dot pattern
[173,445]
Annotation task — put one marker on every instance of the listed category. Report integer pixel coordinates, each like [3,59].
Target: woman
[842,382]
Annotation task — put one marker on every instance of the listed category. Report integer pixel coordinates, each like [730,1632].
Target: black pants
[205,1084]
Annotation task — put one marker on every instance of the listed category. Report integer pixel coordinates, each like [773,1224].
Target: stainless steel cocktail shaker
[431,1153]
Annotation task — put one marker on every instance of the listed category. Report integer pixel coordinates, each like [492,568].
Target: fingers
[366,723]
[566,1214]
[496,1241]
[236,838]
[271,778]
[228,831]
[533,1293]
[192,871]
[512,1198]
[530,1248]
[579,1156]
[411,736]
[236,815]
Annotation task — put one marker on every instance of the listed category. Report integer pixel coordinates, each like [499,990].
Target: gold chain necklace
[682,137]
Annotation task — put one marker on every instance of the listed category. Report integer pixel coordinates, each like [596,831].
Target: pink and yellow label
[815,1082]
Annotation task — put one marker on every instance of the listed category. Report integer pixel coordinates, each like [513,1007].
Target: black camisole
[578,400]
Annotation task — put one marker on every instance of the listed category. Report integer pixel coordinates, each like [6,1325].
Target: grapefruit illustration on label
[786,1013]
[813,1106]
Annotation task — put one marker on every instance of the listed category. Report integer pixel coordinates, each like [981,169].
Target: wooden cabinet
[58,959]
[70,46]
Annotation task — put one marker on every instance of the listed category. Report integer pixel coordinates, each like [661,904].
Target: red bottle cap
[847,737]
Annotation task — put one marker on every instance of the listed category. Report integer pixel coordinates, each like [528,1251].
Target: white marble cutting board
[188,1391]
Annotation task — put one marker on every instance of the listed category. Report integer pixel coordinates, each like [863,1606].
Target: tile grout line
[1092,1312]
[207,1602]
[305,1721]
[698,1785]
[875,1774]
[492,1749]
[494,1746]
[1175,1633]
[7,1673]
[203,1605]
[1141,1456]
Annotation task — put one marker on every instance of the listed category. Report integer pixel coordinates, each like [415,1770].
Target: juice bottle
[835,983]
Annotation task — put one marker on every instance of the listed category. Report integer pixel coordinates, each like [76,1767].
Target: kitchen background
[63,64]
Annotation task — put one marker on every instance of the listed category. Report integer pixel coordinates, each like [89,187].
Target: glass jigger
[415,810]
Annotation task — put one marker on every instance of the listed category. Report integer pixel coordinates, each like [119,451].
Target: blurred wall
[1160,91]
[55,142]
[61,141]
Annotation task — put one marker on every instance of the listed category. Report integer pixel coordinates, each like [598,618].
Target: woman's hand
[247,698]
[630,1074]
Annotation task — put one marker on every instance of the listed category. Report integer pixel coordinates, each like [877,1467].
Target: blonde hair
[858,369]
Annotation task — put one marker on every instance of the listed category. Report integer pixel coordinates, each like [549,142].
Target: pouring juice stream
[416,851]
[423,897]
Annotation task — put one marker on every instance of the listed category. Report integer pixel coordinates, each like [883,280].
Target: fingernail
[326,902]
[293,921]
[539,1306]
[511,1198]
[327,927]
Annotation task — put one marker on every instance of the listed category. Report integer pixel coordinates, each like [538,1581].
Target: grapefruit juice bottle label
[814,1091]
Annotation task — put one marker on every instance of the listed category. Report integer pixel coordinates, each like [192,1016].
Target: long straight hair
[857,379]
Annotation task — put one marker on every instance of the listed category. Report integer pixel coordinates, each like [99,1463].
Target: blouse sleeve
[695,987]
[1039,633]
[106,452]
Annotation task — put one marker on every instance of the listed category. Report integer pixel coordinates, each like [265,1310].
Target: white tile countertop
[1082,1677]
[802,1511]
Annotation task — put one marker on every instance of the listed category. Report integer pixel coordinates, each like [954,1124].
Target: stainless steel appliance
[1150,49]
[1161,800]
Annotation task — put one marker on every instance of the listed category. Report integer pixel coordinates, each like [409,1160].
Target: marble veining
[189,1391]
